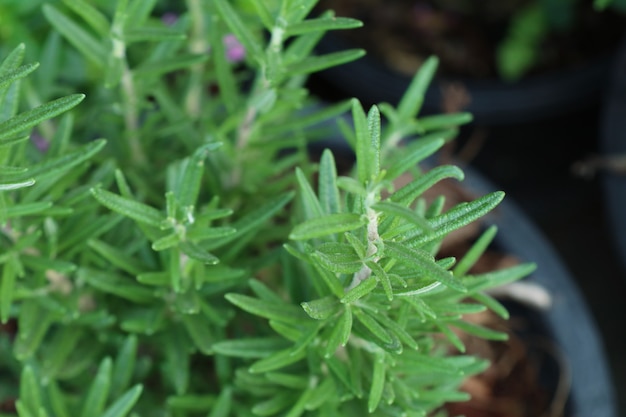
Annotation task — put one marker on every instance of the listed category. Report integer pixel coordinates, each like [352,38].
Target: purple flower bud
[40,142]
[235,52]
[169,18]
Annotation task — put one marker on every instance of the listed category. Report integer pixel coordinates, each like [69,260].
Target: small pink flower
[169,18]
[235,52]
[40,142]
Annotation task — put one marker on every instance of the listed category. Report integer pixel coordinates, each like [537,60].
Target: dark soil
[465,34]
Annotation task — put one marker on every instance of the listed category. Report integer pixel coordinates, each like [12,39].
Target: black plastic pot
[613,143]
[568,321]
[493,102]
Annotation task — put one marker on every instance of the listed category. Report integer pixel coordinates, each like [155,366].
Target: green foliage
[519,51]
[196,262]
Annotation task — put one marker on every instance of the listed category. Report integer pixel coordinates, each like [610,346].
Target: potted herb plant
[196,261]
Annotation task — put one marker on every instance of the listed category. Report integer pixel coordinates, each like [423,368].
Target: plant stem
[261,86]
[391,143]
[243,137]
[372,238]
[197,45]
[131,116]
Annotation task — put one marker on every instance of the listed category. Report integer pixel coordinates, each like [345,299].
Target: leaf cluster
[196,262]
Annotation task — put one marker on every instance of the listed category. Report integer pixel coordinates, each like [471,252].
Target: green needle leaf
[475,252]
[443,121]
[137,211]
[278,360]
[167,65]
[299,407]
[196,252]
[87,45]
[154,34]
[382,277]
[288,380]
[189,185]
[30,394]
[23,121]
[34,324]
[13,60]
[274,405]
[327,225]
[224,72]
[338,257]
[496,278]
[407,194]
[65,162]
[492,304]
[98,392]
[124,365]
[311,205]
[424,263]
[398,330]
[373,326]
[16,185]
[58,400]
[394,209]
[413,98]
[378,382]
[63,343]
[363,143]
[329,278]
[145,321]
[285,313]
[250,347]
[327,186]
[223,404]
[373,127]
[459,216]
[166,242]
[117,257]
[177,359]
[480,331]
[322,62]
[322,24]
[199,329]
[340,334]
[21,210]
[417,152]
[124,404]
[206,233]
[327,113]
[322,308]
[109,282]
[360,291]
[9,274]
[264,14]
[253,220]
[352,186]
[9,77]
[341,371]
[96,20]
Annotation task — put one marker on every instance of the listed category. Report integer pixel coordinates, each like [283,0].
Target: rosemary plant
[197,262]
